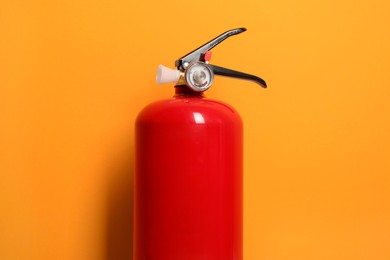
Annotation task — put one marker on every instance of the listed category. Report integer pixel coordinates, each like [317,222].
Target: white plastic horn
[167,75]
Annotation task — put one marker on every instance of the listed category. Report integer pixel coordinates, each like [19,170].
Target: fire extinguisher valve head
[202,54]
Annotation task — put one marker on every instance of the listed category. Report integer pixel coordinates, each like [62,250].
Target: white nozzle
[167,75]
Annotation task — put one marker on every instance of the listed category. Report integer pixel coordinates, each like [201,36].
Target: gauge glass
[199,76]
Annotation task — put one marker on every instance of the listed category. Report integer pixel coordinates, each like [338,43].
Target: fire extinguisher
[188,167]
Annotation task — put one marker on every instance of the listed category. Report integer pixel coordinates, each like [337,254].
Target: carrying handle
[237,74]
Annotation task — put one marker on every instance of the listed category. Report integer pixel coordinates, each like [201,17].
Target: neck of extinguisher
[184,91]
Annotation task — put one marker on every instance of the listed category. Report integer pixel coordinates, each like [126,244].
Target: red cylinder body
[188,180]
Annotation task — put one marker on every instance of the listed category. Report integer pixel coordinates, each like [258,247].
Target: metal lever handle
[237,74]
[195,55]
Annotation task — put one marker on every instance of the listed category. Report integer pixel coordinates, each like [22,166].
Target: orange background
[75,73]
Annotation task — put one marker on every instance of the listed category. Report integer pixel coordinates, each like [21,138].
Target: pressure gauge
[199,76]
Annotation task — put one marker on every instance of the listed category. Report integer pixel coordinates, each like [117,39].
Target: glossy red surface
[188,181]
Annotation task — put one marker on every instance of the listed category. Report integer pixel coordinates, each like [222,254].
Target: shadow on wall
[119,236]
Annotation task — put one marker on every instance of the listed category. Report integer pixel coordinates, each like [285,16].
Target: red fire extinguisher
[188,167]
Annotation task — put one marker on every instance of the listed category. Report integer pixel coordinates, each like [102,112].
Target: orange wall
[75,73]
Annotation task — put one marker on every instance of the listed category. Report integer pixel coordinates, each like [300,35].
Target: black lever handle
[237,74]
[195,55]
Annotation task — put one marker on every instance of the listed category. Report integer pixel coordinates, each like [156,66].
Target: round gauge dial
[199,76]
